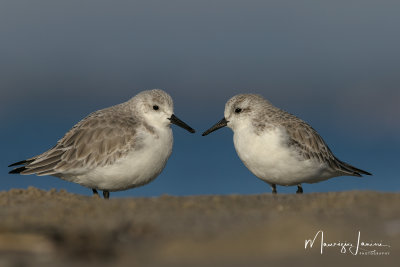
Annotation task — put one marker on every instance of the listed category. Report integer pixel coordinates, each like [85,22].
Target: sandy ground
[50,228]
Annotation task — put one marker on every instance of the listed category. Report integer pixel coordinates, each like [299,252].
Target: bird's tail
[351,170]
[19,169]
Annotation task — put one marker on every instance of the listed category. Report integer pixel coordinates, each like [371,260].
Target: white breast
[137,168]
[269,157]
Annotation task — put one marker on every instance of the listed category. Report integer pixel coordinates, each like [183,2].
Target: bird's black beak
[218,125]
[174,119]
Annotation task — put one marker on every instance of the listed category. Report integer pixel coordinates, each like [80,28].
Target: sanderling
[278,147]
[113,149]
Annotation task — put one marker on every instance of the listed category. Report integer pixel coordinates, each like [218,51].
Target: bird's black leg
[95,191]
[299,189]
[273,186]
[106,194]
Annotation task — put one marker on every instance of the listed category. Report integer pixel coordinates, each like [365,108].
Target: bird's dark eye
[155,107]
[238,110]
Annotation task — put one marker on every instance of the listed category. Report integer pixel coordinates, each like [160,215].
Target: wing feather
[308,142]
[99,139]
[311,146]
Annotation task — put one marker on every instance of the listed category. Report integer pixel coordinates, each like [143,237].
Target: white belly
[269,158]
[137,168]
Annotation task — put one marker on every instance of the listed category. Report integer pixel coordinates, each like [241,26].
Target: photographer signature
[358,248]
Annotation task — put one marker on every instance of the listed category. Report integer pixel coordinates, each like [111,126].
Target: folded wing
[311,146]
[96,141]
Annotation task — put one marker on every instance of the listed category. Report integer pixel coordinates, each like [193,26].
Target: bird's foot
[106,194]
[95,193]
[273,186]
[299,189]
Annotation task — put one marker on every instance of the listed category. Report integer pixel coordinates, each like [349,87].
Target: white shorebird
[113,149]
[278,147]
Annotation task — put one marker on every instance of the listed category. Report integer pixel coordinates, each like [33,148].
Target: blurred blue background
[335,64]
